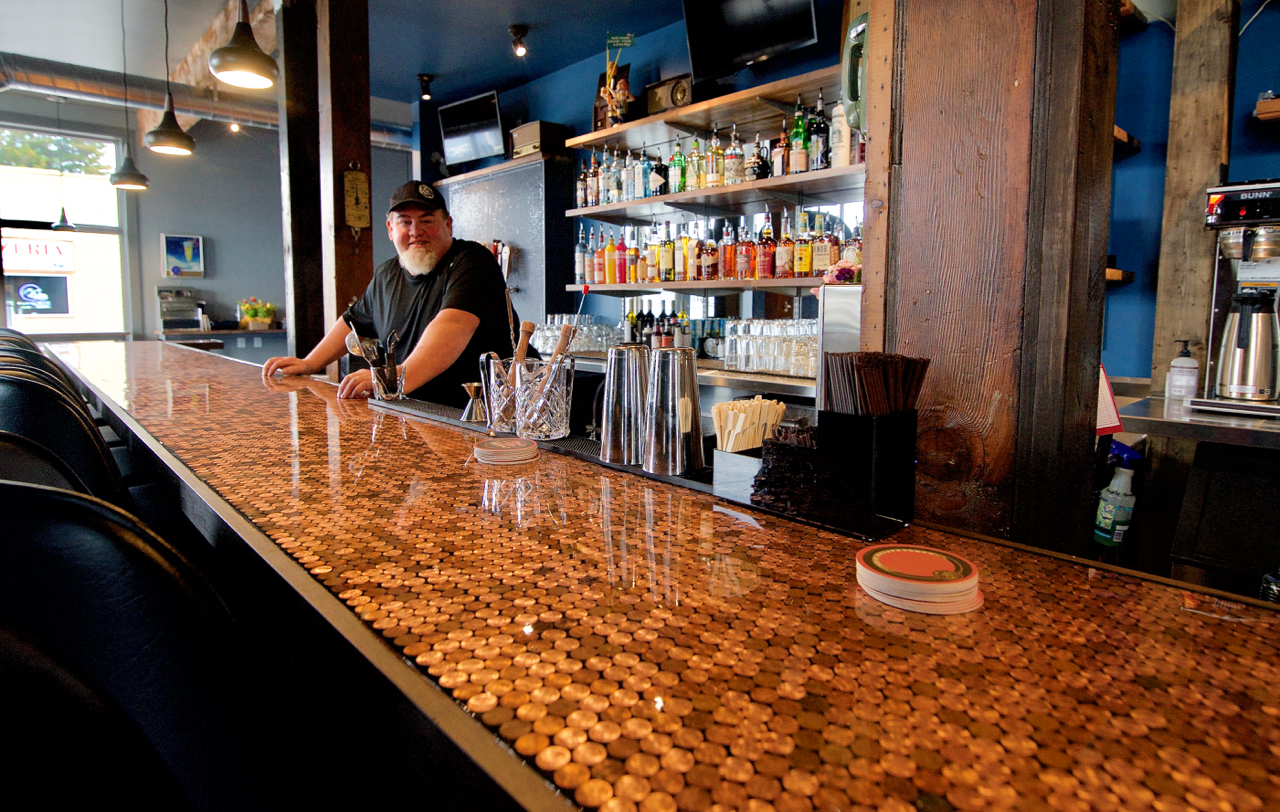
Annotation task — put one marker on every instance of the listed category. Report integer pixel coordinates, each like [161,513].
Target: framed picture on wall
[183,256]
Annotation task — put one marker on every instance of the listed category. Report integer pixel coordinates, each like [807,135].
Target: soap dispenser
[1184,372]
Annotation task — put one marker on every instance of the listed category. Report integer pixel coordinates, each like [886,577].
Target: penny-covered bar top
[641,645]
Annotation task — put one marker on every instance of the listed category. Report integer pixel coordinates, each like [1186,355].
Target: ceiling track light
[127,175]
[518,33]
[241,62]
[169,137]
[424,85]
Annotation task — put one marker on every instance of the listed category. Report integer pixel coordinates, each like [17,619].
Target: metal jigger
[475,411]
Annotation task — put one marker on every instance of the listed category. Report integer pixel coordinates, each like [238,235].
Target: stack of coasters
[505,451]
[919,579]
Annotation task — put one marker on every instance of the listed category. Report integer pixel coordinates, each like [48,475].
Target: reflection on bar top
[646,648]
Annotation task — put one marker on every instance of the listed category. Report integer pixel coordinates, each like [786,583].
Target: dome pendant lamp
[169,137]
[127,175]
[241,62]
[63,223]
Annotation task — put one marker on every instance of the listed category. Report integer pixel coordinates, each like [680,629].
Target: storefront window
[60,281]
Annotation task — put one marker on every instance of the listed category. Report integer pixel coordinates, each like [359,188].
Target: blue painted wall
[1137,191]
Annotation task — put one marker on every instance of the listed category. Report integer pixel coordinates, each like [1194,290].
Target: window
[61,281]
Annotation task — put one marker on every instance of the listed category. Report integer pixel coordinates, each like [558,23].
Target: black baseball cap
[419,193]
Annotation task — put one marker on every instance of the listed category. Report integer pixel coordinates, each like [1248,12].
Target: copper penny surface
[566,597]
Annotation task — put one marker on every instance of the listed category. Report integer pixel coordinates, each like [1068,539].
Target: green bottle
[677,181]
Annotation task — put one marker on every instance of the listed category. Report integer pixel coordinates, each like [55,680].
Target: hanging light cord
[124,54]
[1255,15]
[166,46]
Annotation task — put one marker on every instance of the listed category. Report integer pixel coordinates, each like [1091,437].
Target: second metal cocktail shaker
[673,416]
[622,439]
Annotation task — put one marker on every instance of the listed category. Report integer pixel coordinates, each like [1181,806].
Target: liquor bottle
[695,171]
[840,138]
[799,142]
[823,258]
[660,180]
[633,324]
[693,250]
[784,259]
[851,248]
[676,176]
[709,259]
[652,250]
[715,159]
[735,161]
[781,156]
[580,189]
[820,138]
[633,259]
[667,257]
[725,261]
[615,179]
[580,250]
[680,256]
[641,247]
[833,246]
[765,250]
[629,179]
[646,331]
[804,246]
[744,253]
[757,166]
[643,167]
[593,182]
[599,260]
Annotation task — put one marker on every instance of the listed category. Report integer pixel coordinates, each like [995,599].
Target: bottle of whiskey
[799,142]
[593,182]
[804,246]
[632,252]
[784,259]
[744,253]
[695,172]
[781,156]
[681,258]
[580,189]
[641,247]
[734,161]
[761,159]
[851,248]
[652,250]
[833,246]
[667,256]
[822,256]
[709,258]
[820,138]
[765,250]
[725,254]
[677,176]
[715,159]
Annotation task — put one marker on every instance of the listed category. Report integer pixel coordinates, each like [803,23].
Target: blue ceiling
[408,37]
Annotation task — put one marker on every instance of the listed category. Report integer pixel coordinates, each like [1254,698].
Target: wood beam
[1199,131]
[343,85]
[299,175]
[883,153]
[1073,119]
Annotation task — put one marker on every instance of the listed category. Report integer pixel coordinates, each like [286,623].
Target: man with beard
[443,297]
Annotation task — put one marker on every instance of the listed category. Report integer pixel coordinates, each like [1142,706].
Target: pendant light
[169,137]
[63,223]
[241,62]
[127,175]
[518,33]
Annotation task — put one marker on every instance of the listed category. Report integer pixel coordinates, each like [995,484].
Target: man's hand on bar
[358,384]
[287,365]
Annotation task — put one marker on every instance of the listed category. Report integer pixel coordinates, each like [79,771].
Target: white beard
[418,260]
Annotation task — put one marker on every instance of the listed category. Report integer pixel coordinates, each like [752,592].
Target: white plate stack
[505,451]
[919,579]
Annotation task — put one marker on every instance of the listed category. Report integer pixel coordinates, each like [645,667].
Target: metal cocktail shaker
[1247,359]
[625,386]
[673,416]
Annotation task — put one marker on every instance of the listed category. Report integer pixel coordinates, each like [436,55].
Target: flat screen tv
[725,36]
[472,129]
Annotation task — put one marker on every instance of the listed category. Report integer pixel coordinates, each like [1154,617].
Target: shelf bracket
[783,107]
[687,129]
[705,211]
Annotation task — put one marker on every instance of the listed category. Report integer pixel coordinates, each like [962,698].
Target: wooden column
[1199,138]
[884,144]
[1069,218]
[975,186]
[299,175]
[343,84]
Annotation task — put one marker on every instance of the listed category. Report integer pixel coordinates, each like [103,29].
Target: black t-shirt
[466,278]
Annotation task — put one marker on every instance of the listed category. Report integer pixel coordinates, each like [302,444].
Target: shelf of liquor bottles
[758,109]
[789,286]
[841,184]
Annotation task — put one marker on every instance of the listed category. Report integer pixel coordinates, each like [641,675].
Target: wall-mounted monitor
[472,129]
[725,36]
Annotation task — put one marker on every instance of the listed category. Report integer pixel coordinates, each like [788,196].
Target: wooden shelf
[1267,109]
[753,110]
[1118,276]
[789,287]
[841,184]
[1125,144]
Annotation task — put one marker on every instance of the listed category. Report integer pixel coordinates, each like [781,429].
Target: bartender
[443,297]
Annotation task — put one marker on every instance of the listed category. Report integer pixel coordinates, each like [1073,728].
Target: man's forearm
[440,346]
[332,347]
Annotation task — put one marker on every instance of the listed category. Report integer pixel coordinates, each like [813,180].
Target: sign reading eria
[49,256]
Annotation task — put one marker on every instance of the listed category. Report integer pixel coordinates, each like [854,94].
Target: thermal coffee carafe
[1247,360]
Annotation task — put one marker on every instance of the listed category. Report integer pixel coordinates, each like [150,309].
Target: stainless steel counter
[741,381]
[1150,416]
